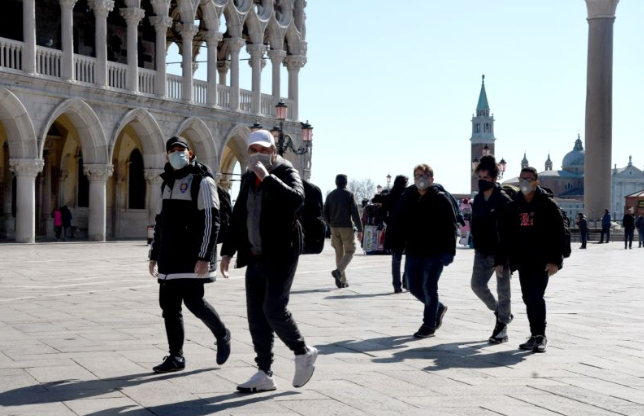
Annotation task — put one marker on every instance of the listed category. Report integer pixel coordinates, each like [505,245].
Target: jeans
[605,230]
[584,238]
[534,281]
[343,240]
[396,261]
[641,234]
[268,288]
[481,275]
[629,233]
[189,291]
[422,275]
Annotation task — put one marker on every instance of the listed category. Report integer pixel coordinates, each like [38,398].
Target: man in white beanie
[265,234]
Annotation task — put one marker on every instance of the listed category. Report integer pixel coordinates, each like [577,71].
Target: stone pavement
[80,329]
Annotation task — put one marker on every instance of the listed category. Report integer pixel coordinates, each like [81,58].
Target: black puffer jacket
[281,233]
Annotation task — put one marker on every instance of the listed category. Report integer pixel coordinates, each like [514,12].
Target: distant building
[626,181]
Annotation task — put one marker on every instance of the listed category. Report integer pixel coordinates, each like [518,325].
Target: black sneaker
[529,344]
[170,364]
[540,343]
[439,316]
[499,334]
[223,348]
[345,284]
[338,278]
[424,332]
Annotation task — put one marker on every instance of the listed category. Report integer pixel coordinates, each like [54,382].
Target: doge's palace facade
[86,103]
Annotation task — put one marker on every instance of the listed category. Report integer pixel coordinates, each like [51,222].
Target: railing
[173,86]
[84,68]
[48,61]
[223,96]
[267,107]
[10,54]
[200,91]
[146,80]
[245,101]
[117,75]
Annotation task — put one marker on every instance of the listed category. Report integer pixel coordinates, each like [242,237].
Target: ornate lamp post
[283,141]
[388,181]
[486,152]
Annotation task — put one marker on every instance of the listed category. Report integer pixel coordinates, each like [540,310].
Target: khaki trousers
[344,242]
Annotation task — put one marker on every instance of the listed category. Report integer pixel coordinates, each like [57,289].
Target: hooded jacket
[280,231]
[485,220]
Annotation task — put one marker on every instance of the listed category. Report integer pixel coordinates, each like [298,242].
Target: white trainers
[304,366]
[259,382]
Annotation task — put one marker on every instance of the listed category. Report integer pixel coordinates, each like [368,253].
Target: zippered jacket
[485,220]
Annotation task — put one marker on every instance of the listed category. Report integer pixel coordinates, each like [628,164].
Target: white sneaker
[259,382]
[304,366]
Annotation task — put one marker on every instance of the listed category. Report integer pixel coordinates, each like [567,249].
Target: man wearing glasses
[533,235]
[426,229]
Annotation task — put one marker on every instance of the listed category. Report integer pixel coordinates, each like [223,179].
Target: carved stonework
[213,37]
[277,56]
[295,62]
[26,167]
[67,4]
[160,23]
[132,15]
[101,8]
[187,30]
[153,176]
[98,172]
[601,9]
[235,44]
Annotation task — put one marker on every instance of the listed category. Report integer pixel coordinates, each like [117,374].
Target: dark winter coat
[628,222]
[485,220]
[340,209]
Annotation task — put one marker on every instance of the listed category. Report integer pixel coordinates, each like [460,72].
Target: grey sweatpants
[481,275]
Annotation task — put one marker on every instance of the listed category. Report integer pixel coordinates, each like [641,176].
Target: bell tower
[482,139]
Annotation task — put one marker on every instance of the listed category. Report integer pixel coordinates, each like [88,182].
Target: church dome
[574,158]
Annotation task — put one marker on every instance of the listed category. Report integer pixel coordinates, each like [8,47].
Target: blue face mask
[178,160]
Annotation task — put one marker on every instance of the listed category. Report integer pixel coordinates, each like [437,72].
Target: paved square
[80,329]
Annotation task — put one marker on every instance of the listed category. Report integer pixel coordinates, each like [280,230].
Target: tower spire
[483,108]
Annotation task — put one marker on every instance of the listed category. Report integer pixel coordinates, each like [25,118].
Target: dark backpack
[567,249]
[510,191]
[458,214]
[312,220]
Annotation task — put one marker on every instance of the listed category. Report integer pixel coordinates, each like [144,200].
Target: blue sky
[389,85]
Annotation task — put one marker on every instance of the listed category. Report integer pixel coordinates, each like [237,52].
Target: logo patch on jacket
[184,187]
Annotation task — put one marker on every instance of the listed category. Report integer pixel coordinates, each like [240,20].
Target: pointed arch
[150,135]
[255,28]
[187,11]
[234,148]
[21,135]
[87,125]
[274,34]
[294,40]
[197,132]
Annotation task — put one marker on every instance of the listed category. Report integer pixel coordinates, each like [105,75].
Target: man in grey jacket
[340,209]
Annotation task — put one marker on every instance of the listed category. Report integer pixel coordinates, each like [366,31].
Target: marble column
[101,9]
[26,171]
[234,46]
[132,16]
[256,52]
[67,38]
[213,39]
[294,63]
[96,222]
[222,68]
[29,36]
[188,31]
[277,57]
[46,209]
[153,177]
[161,25]
[599,107]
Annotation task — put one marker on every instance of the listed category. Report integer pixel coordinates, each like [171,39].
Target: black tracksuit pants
[534,281]
[172,294]
[268,287]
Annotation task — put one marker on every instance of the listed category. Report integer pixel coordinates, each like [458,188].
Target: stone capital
[213,37]
[295,62]
[223,66]
[276,55]
[101,8]
[160,23]
[26,167]
[132,15]
[99,173]
[235,44]
[153,176]
[601,9]
[187,30]
[67,4]
[256,49]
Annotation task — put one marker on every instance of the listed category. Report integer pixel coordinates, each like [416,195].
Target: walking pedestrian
[488,205]
[426,230]
[66,216]
[628,222]
[606,224]
[582,223]
[265,234]
[639,224]
[58,223]
[341,213]
[389,207]
[183,253]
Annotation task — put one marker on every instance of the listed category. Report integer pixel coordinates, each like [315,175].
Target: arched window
[136,181]
[83,185]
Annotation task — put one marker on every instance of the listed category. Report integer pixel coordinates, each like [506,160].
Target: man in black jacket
[533,236]
[265,234]
[425,230]
[183,253]
[628,222]
[390,204]
[486,210]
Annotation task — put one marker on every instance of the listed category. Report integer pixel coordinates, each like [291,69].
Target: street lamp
[388,180]
[284,141]
[486,152]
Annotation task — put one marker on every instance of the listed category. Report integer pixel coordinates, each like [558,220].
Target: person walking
[533,237]
[66,216]
[639,224]
[582,223]
[183,253]
[488,205]
[628,222]
[265,234]
[606,224]
[58,223]
[426,231]
[341,213]
[389,207]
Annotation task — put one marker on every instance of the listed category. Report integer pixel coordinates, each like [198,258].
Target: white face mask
[526,187]
[178,160]
[421,183]
[262,158]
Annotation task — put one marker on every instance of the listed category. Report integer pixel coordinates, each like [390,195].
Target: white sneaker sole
[315,357]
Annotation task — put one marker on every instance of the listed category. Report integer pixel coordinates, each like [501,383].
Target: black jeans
[629,234]
[534,281]
[605,230]
[189,291]
[268,288]
[584,238]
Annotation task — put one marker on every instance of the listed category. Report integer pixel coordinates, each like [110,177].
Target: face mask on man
[526,187]
[264,159]
[178,160]
[421,183]
[485,185]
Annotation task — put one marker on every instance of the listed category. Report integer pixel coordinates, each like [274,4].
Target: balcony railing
[84,68]
[10,54]
[48,61]
[146,80]
[117,75]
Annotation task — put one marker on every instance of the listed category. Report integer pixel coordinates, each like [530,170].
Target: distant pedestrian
[628,222]
[58,223]
[67,221]
[341,213]
[389,207]
[582,223]
[426,230]
[639,224]
[606,223]
[489,204]
[533,235]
